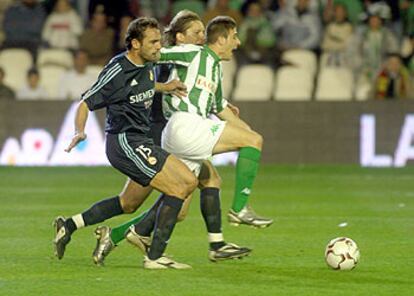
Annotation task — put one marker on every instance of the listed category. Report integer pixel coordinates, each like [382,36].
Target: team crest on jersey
[205,84]
[151,75]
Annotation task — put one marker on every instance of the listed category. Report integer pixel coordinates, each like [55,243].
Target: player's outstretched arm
[174,87]
[80,122]
[228,115]
[234,109]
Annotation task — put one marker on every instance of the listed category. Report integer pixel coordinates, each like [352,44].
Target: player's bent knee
[214,181]
[186,185]
[256,140]
[129,207]
[190,183]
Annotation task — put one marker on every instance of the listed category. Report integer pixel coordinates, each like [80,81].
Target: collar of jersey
[136,65]
[210,51]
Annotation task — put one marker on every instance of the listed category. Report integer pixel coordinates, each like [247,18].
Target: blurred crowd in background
[290,49]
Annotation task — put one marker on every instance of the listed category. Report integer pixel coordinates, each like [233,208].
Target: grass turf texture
[308,203]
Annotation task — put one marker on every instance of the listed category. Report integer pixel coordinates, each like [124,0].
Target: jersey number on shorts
[146,153]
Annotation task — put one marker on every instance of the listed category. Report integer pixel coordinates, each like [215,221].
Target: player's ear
[136,44]
[221,40]
[179,37]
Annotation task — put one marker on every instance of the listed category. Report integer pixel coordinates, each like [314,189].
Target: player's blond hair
[179,24]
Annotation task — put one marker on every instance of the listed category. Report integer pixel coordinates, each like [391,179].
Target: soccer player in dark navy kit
[126,89]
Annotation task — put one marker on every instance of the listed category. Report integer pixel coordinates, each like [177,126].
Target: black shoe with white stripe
[228,251]
[62,236]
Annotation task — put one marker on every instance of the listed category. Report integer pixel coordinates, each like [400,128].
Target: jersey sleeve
[101,92]
[219,101]
[179,55]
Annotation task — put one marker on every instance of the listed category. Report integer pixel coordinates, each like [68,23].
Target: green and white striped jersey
[199,68]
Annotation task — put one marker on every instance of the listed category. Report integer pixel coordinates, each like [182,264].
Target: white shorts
[191,138]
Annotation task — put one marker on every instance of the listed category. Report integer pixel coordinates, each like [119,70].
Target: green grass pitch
[307,202]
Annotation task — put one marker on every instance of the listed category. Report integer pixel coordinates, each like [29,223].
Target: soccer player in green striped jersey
[191,136]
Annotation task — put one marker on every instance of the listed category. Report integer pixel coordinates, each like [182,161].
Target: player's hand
[234,109]
[176,88]
[77,138]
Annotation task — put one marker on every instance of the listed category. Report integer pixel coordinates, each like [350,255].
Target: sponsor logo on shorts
[152,160]
[146,154]
[214,129]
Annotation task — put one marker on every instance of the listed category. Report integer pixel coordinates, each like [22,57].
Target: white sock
[78,219]
[215,237]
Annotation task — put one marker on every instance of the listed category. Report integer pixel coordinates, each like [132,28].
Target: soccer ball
[342,253]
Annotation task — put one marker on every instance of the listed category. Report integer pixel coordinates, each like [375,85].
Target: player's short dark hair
[137,27]
[179,24]
[219,27]
[32,71]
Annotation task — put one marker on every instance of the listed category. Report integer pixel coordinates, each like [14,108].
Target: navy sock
[103,210]
[211,211]
[146,225]
[164,225]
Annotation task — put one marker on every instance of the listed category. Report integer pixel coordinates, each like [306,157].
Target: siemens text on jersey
[142,96]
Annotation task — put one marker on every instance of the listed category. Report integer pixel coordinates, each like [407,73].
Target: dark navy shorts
[135,156]
[156,130]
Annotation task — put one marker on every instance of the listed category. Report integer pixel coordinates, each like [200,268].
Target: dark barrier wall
[294,132]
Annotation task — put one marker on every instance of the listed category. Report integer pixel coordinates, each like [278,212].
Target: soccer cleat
[62,236]
[228,251]
[141,242]
[248,217]
[104,244]
[164,263]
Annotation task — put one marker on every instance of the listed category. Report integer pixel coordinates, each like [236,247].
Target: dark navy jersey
[162,72]
[126,91]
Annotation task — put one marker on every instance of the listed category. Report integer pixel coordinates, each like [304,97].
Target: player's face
[194,34]
[231,43]
[151,45]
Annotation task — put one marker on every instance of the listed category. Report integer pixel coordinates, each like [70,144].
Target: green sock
[246,171]
[117,233]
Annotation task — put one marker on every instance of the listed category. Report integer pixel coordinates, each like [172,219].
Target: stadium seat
[55,57]
[301,58]
[334,84]
[293,84]
[323,60]
[229,69]
[193,5]
[406,47]
[363,90]
[15,62]
[50,79]
[254,83]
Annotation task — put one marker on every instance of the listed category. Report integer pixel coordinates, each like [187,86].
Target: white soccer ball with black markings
[342,253]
